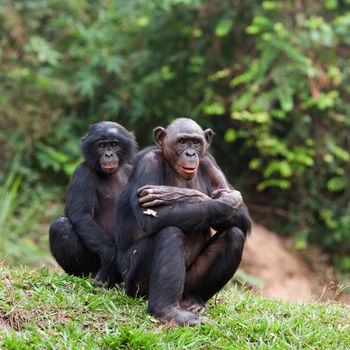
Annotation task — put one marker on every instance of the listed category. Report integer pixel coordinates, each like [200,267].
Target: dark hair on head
[108,131]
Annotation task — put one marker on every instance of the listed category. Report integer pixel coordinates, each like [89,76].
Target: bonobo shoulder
[208,164]
[84,170]
[151,156]
[209,160]
[147,169]
[128,169]
[211,171]
[83,179]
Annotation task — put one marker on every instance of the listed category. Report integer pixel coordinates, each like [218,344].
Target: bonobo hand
[153,196]
[233,198]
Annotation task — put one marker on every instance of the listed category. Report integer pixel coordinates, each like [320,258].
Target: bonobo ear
[159,134]
[209,134]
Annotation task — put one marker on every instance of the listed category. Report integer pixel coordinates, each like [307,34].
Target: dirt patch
[13,319]
[287,274]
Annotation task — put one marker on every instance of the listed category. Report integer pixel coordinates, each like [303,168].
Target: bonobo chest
[196,183]
[108,192]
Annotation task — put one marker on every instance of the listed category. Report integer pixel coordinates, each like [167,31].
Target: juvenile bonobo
[167,253]
[82,241]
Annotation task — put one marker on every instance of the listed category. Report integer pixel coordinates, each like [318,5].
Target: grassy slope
[55,311]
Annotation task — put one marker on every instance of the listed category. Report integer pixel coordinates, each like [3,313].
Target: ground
[287,274]
[51,310]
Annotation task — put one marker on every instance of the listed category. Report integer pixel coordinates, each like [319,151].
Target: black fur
[171,257]
[82,240]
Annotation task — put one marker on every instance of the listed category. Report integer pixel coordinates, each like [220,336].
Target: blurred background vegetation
[270,77]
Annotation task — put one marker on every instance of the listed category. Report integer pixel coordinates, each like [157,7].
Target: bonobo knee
[60,239]
[172,236]
[235,238]
[60,226]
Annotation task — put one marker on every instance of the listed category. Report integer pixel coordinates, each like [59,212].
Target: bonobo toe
[193,305]
[181,317]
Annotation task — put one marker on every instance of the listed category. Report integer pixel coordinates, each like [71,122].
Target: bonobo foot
[193,305]
[107,283]
[180,316]
[109,276]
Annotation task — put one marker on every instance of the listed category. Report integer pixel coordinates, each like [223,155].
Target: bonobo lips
[188,170]
[109,168]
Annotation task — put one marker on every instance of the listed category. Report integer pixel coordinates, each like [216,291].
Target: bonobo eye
[114,144]
[181,141]
[102,145]
[196,141]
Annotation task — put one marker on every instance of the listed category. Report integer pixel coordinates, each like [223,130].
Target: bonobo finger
[220,191]
[148,188]
[154,203]
[142,189]
[147,198]
[148,191]
[196,308]
[144,192]
[238,195]
[216,193]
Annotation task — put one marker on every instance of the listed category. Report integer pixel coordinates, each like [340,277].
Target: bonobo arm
[226,209]
[153,196]
[209,174]
[239,215]
[80,206]
[189,209]
[146,187]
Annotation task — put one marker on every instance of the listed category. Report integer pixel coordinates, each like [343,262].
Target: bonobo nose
[109,154]
[190,153]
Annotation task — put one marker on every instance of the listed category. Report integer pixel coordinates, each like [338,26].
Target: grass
[25,213]
[42,310]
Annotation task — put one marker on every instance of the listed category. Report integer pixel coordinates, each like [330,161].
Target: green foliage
[8,192]
[41,310]
[23,214]
[270,77]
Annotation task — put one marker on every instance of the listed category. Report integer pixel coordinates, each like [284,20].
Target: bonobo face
[108,154]
[107,146]
[184,144]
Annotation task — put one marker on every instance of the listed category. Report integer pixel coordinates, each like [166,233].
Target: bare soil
[289,274]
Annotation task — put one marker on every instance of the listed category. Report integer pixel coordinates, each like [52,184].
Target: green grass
[42,310]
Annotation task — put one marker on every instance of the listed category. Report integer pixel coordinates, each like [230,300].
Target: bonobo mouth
[188,170]
[109,168]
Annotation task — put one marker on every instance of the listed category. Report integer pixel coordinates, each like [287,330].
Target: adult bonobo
[82,241]
[168,253]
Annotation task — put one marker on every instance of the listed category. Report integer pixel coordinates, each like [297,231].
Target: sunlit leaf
[223,27]
[230,135]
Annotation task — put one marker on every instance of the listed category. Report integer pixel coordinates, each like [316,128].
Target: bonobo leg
[68,250]
[213,268]
[154,267]
[167,279]
[135,266]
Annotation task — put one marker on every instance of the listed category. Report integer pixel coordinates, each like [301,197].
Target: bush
[270,77]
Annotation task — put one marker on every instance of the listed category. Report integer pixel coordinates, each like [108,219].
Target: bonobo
[168,253]
[82,241]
